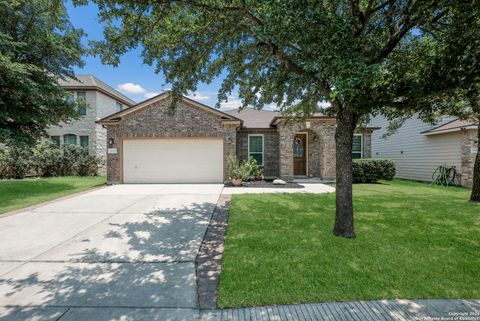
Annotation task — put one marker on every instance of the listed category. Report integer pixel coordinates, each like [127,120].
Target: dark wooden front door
[300,154]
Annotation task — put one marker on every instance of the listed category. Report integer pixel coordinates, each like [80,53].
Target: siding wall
[83,126]
[99,106]
[421,154]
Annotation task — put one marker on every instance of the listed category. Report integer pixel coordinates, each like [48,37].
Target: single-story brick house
[150,143]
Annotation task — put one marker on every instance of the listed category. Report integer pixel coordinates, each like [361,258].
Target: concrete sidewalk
[396,310]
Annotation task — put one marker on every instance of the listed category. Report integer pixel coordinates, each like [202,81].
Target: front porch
[307,150]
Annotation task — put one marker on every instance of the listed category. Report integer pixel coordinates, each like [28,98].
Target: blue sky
[131,77]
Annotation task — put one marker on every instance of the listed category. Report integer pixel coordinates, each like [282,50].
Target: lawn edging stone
[209,258]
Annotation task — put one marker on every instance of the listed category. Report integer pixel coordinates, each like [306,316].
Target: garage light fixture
[110,141]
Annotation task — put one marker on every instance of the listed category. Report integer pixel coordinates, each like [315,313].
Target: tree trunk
[346,124]
[475,196]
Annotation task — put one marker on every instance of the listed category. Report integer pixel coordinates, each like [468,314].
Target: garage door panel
[173,161]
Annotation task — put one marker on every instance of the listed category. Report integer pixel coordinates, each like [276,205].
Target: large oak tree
[38,45]
[291,53]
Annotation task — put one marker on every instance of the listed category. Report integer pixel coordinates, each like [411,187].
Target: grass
[413,240]
[20,193]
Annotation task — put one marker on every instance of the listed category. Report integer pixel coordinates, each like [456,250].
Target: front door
[300,155]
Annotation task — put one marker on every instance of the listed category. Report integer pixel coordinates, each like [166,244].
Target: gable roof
[451,126]
[118,115]
[254,118]
[93,83]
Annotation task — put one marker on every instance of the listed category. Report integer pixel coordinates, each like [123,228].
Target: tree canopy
[291,53]
[38,45]
[450,74]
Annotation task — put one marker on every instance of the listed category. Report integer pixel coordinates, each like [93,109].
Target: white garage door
[173,160]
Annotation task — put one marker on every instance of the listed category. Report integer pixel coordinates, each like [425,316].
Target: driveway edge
[209,258]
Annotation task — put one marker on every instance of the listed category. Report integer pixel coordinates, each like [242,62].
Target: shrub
[236,170]
[46,159]
[15,162]
[252,169]
[372,170]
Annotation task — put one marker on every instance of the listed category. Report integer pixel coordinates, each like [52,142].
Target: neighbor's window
[82,98]
[55,140]
[357,150]
[84,141]
[70,139]
[118,107]
[255,148]
[71,97]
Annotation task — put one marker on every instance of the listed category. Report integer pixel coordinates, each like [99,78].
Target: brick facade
[157,120]
[270,142]
[321,153]
[189,119]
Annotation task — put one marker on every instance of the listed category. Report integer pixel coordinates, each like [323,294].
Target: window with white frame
[357,148]
[118,107]
[256,148]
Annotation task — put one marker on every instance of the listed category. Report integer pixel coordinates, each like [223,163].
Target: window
[255,148]
[70,139]
[82,99]
[71,97]
[84,141]
[55,140]
[357,149]
[118,107]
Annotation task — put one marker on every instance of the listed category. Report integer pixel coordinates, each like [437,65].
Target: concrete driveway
[124,252]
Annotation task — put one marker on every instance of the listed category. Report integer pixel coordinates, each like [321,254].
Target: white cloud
[324,104]
[198,96]
[233,102]
[150,94]
[131,88]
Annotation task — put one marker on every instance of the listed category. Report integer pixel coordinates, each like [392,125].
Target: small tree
[292,53]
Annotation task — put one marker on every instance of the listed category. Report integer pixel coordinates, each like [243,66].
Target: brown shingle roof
[453,125]
[89,81]
[253,118]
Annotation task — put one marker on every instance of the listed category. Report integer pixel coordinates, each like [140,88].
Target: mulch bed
[209,258]
[265,184]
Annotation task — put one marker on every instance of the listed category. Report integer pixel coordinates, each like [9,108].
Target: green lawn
[20,193]
[413,241]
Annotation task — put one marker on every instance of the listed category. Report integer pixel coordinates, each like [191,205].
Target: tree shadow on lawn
[136,260]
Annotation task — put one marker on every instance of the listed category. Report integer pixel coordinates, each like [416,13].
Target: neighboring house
[102,100]
[419,148]
[150,143]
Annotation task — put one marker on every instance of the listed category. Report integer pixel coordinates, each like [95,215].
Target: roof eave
[103,91]
[162,96]
[446,131]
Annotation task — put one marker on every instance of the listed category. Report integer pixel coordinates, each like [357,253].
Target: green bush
[236,170]
[372,170]
[252,169]
[46,159]
[15,162]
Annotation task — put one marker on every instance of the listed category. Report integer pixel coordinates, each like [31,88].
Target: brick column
[286,135]
[326,131]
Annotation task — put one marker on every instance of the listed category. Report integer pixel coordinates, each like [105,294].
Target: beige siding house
[102,100]
[418,148]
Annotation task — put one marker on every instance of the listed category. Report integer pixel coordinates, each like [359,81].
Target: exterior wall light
[110,141]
